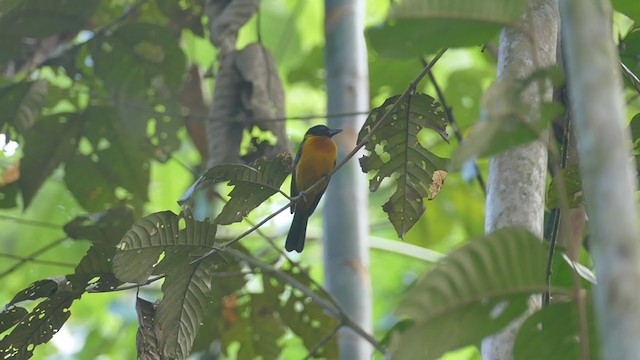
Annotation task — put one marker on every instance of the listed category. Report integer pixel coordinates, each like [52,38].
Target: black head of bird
[322,130]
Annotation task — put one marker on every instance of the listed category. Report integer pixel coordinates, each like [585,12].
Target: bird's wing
[294,191]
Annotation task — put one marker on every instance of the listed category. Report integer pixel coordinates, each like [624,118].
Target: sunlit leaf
[472,293]
[395,152]
[150,236]
[247,194]
[554,333]
[457,23]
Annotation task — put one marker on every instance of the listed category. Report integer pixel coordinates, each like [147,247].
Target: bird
[315,159]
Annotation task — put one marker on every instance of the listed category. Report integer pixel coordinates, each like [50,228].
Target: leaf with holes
[44,321]
[20,103]
[10,316]
[146,340]
[48,144]
[473,292]
[458,23]
[395,151]
[247,194]
[553,332]
[140,248]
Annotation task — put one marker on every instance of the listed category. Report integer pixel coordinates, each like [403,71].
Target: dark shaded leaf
[458,23]
[37,290]
[20,103]
[38,19]
[554,333]
[573,187]
[150,236]
[146,341]
[248,194]
[10,316]
[49,143]
[43,322]
[186,14]
[472,293]
[395,152]
[135,55]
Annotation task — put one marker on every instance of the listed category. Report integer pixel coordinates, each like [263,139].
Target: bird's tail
[297,232]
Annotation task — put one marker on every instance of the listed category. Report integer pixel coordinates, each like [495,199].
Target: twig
[132,286]
[454,125]
[328,306]
[30,222]
[37,261]
[412,86]
[322,342]
[33,255]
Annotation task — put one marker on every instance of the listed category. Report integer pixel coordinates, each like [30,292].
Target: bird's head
[321,130]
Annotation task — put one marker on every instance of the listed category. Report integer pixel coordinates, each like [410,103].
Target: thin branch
[328,306]
[129,287]
[412,87]
[631,77]
[323,342]
[454,125]
[32,256]
[30,222]
[37,261]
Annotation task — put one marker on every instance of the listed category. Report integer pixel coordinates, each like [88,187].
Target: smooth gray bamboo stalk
[516,179]
[346,256]
[607,171]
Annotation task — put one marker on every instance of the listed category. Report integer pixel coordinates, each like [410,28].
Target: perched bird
[315,159]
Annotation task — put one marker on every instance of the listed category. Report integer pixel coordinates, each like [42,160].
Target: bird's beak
[333,132]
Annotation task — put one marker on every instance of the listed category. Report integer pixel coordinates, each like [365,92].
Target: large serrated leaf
[458,23]
[249,193]
[183,306]
[394,151]
[253,184]
[49,143]
[150,236]
[472,293]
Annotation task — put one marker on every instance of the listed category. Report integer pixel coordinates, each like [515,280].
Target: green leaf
[573,187]
[247,194]
[150,236]
[554,333]
[458,23]
[146,340]
[183,307]
[629,50]
[39,19]
[506,124]
[20,103]
[186,14]
[48,144]
[472,293]
[395,152]
[135,55]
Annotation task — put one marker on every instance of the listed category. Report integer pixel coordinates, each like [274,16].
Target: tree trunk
[516,180]
[346,256]
[607,172]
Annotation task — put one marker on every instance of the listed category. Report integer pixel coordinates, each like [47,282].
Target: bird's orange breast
[318,159]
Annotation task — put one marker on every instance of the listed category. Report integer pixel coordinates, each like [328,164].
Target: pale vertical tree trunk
[607,172]
[346,256]
[516,181]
